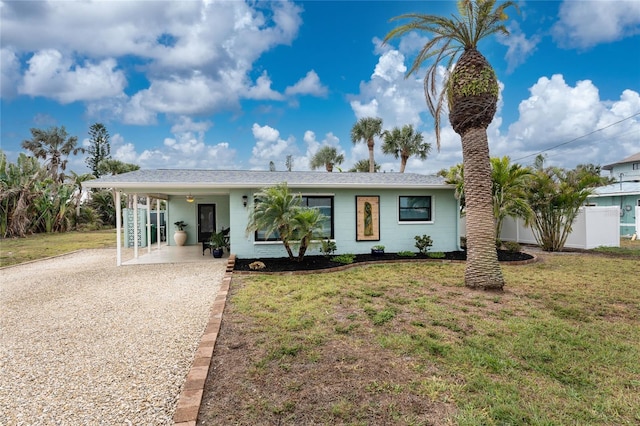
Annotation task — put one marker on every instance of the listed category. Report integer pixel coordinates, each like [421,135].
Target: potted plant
[180,236]
[377,250]
[218,242]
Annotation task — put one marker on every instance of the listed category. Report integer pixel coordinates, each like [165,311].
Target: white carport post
[158,222]
[118,230]
[148,224]
[135,225]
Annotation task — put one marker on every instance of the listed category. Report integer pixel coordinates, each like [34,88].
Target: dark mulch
[311,263]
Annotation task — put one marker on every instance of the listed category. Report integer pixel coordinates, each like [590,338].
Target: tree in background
[554,196]
[362,166]
[115,167]
[99,148]
[470,88]
[365,130]
[18,188]
[326,156]
[404,143]
[53,146]
[508,188]
[272,166]
[289,163]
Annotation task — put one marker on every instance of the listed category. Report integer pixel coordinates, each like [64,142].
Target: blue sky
[235,85]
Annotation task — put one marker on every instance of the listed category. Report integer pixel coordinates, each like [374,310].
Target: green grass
[627,248]
[38,246]
[560,346]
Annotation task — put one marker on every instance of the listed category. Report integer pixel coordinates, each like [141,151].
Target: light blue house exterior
[404,205]
[624,194]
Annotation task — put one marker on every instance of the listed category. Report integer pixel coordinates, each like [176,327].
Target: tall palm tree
[404,143]
[326,156]
[471,91]
[365,130]
[54,146]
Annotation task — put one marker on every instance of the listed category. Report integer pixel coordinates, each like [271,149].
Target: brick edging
[191,396]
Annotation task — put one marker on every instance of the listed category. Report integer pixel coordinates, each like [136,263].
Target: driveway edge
[191,396]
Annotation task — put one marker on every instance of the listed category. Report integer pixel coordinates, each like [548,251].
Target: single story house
[624,194]
[362,209]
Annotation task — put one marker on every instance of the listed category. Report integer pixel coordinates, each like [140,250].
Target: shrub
[512,246]
[498,243]
[406,253]
[436,255]
[423,243]
[463,243]
[345,259]
[328,247]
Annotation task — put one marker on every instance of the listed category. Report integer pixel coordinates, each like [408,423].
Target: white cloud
[519,46]
[51,75]
[270,147]
[309,85]
[558,114]
[588,23]
[313,145]
[196,55]
[262,89]
[9,73]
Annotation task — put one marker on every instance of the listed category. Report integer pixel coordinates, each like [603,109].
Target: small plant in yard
[436,255]
[346,258]
[423,243]
[378,247]
[328,247]
[512,246]
[406,253]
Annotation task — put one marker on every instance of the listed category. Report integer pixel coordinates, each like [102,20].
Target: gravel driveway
[85,342]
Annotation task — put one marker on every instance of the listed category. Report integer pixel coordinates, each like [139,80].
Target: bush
[423,243]
[512,246]
[436,255]
[463,243]
[328,248]
[406,253]
[345,259]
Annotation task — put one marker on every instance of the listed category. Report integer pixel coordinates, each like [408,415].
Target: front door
[206,221]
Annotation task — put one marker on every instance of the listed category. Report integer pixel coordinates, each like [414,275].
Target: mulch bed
[315,263]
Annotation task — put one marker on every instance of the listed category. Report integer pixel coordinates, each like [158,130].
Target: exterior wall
[627,212]
[593,227]
[626,169]
[395,236]
[179,209]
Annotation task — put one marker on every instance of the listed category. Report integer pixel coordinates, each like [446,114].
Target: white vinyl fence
[593,227]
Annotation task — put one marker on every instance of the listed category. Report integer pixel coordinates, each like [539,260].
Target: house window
[636,166]
[414,208]
[323,203]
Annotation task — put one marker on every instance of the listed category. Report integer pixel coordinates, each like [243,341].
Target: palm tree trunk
[483,269]
[372,164]
[403,162]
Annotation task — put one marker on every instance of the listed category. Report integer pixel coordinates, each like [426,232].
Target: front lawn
[409,344]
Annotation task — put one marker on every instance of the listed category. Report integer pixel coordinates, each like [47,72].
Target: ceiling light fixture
[190,198]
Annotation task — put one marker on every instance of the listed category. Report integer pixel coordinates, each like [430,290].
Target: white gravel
[83,342]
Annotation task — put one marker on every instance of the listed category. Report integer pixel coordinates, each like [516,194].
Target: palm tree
[510,182]
[365,130]
[404,143]
[471,91]
[115,167]
[326,156]
[363,166]
[76,181]
[53,146]
[273,213]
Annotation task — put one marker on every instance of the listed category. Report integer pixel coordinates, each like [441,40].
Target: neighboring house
[363,209]
[624,194]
